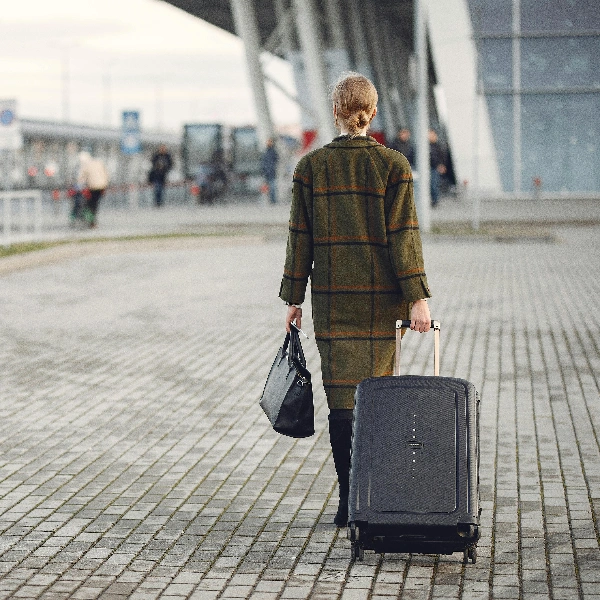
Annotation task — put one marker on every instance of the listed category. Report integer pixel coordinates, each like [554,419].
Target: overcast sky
[89,60]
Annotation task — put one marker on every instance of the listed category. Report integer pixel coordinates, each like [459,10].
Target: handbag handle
[296,352]
[293,348]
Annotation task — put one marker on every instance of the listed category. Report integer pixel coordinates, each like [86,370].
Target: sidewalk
[235,213]
[136,463]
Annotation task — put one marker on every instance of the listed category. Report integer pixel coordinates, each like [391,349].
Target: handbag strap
[286,343]
[296,353]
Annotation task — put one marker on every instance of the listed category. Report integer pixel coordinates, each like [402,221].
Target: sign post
[422,120]
[10,127]
[131,141]
[10,141]
[131,145]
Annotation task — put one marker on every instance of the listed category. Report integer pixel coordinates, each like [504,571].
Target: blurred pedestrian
[93,180]
[437,161]
[403,144]
[270,159]
[162,163]
[353,230]
[76,214]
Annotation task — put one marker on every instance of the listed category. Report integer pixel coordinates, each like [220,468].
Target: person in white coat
[93,177]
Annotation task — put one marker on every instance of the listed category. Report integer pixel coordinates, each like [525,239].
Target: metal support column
[393,68]
[359,42]
[335,23]
[308,26]
[284,19]
[422,120]
[247,29]
[360,49]
[374,34]
[516,83]
[337,53]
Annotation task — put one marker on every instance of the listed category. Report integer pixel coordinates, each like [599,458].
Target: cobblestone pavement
[136,463]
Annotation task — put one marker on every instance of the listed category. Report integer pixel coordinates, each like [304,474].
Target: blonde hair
[354,98]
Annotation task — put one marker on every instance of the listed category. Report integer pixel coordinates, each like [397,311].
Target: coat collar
[343,141]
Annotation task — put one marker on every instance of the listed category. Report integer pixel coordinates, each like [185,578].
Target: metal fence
[22,215]
[35,215]
[39,215]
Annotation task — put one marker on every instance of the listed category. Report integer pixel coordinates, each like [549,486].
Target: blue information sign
[7,116]
[10,127]
[131,142]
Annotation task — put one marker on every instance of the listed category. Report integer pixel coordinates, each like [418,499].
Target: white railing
[21,215]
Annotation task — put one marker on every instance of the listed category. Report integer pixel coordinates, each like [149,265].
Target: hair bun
[355,100]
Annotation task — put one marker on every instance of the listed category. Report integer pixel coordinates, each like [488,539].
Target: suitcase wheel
[467,531]
[357,551]
[470,554]
[353,532]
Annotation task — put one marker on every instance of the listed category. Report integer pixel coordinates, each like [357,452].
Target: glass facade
[559,63]
[550,16]
[539,68]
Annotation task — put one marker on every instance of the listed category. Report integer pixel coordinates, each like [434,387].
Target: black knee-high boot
[340,437]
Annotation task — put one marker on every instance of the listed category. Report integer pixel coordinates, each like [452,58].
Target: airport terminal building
[539,70]
[514,85]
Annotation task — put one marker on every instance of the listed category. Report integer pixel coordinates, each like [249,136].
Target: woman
[354,231]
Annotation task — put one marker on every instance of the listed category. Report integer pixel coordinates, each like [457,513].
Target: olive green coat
[353,230]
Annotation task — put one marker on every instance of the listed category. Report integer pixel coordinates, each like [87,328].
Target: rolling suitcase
[414,479]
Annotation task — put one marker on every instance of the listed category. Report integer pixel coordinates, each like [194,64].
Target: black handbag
[288,397]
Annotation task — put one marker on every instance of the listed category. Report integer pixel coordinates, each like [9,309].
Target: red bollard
[537,186]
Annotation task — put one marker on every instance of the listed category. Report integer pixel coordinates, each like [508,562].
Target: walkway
[136,463]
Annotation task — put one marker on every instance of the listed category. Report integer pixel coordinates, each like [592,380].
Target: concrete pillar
[469,129]
[422,121]
[247,29]
[308,25]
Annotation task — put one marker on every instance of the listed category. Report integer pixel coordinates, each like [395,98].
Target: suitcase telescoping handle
[435,325]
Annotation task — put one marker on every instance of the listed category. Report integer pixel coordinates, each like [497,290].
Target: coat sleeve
[404,239]
[299,253]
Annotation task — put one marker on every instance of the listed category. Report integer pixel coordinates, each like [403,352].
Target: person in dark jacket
[353,230]
[162,163]
[403,144]
[270,159]
[437,161]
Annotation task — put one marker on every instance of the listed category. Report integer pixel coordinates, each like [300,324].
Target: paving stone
[135,461]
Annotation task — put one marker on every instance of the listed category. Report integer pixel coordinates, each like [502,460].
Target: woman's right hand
[293,314]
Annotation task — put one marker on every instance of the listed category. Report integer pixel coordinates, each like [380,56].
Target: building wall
[540,74]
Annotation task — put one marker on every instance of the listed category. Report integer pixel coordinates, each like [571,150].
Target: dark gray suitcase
[414,481]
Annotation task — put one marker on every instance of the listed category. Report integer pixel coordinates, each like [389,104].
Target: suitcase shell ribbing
[414,483]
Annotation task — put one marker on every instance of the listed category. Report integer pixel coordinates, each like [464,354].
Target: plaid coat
[353,230]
